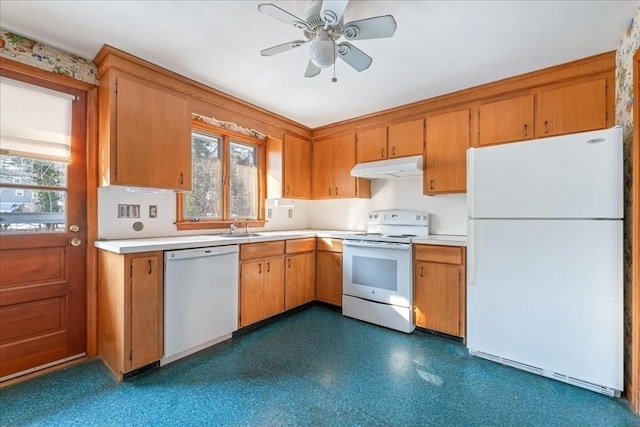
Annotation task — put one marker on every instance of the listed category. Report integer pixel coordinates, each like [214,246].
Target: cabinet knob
[393,150]
[74,241]
[74,228]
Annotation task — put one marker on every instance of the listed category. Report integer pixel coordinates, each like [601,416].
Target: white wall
[448,212]
[112,227]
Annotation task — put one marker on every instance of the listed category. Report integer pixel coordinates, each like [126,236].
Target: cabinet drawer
[441,254]
[261,250]
[328,244]
[301,245]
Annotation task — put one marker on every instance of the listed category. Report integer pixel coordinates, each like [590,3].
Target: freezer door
[570,176]
[548,294]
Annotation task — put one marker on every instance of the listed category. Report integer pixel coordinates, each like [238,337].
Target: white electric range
[377,279]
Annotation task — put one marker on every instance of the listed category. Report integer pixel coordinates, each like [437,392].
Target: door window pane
[32,208]
[243,181]
[204,201]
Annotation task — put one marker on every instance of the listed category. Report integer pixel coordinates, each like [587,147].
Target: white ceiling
[439,46]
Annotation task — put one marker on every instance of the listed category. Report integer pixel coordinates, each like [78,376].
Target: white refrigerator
[544,264]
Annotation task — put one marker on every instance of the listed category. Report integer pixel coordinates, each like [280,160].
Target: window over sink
[228,180]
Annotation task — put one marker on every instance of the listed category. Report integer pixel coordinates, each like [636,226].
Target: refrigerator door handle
[470,213]
[471,254]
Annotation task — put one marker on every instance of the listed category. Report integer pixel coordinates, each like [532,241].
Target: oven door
[377,271]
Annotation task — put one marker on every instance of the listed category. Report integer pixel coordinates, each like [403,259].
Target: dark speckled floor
[314,368]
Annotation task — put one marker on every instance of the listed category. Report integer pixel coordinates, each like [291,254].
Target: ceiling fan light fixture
[322,52]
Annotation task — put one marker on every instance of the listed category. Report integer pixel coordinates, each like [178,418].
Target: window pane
[243,181]
[34,211]
[32,172]
[29,209]
[204,201]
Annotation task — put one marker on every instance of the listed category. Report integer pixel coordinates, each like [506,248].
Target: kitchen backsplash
[448,211]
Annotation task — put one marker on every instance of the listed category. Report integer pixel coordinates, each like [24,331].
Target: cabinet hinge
[115,171]
[606,116]
[459,277]
[131,270]
[116,87]
[130,354]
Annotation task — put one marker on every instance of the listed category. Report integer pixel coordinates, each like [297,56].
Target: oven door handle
[381,245]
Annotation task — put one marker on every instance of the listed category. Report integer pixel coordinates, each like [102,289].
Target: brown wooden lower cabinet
[439,288]
[329,271]
[261,281]
[130,310]
[299,280]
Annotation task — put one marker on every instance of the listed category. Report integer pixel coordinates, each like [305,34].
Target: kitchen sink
[239,235]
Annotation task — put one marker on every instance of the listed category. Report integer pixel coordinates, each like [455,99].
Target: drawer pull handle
[260,268]
[525,129]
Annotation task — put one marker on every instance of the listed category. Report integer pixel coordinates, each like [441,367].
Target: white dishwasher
[200,299]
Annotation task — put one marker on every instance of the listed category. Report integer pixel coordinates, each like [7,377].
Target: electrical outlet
[290,213]
[153,211]
[269,213]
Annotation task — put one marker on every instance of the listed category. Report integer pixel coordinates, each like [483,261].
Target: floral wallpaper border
[24,50]
[624,117]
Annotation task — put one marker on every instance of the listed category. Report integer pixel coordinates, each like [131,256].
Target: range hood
[390,168]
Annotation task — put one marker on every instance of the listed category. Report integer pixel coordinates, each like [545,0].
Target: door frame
[91,195]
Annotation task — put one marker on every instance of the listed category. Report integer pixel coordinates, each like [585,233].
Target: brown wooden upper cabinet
[446,146]
[145,133]
[506,121]
[397,140]
[288,168]
[576,108]
[333,159]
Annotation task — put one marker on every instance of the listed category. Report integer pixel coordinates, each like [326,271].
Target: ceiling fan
[322,27]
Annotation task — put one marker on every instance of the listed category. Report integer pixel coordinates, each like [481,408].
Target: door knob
[74,228]
[75,241]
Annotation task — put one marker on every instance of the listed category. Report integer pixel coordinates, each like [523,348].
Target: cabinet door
[299,280]
[146,308]
[329,277]
[344,159]
[576,108]
[371,145]
[437,297]
[251,292]
[406,139]
[446,153]
[297,167]
[506,121]
[273,291]
[153,128]
[322,168]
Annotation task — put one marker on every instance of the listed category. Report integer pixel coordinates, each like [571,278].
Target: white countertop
[127,246]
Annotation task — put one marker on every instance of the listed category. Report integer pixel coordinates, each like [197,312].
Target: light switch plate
[128,211]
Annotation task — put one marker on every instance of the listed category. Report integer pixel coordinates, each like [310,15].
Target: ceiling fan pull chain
[334,64]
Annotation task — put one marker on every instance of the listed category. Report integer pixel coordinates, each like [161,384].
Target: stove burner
[402,235]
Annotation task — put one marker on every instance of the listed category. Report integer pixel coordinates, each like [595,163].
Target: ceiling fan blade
[332,11]
[312,70]
[370,28]
[353,56]
[275,12]
[282,47]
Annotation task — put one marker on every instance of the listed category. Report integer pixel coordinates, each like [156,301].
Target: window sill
[212,225]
